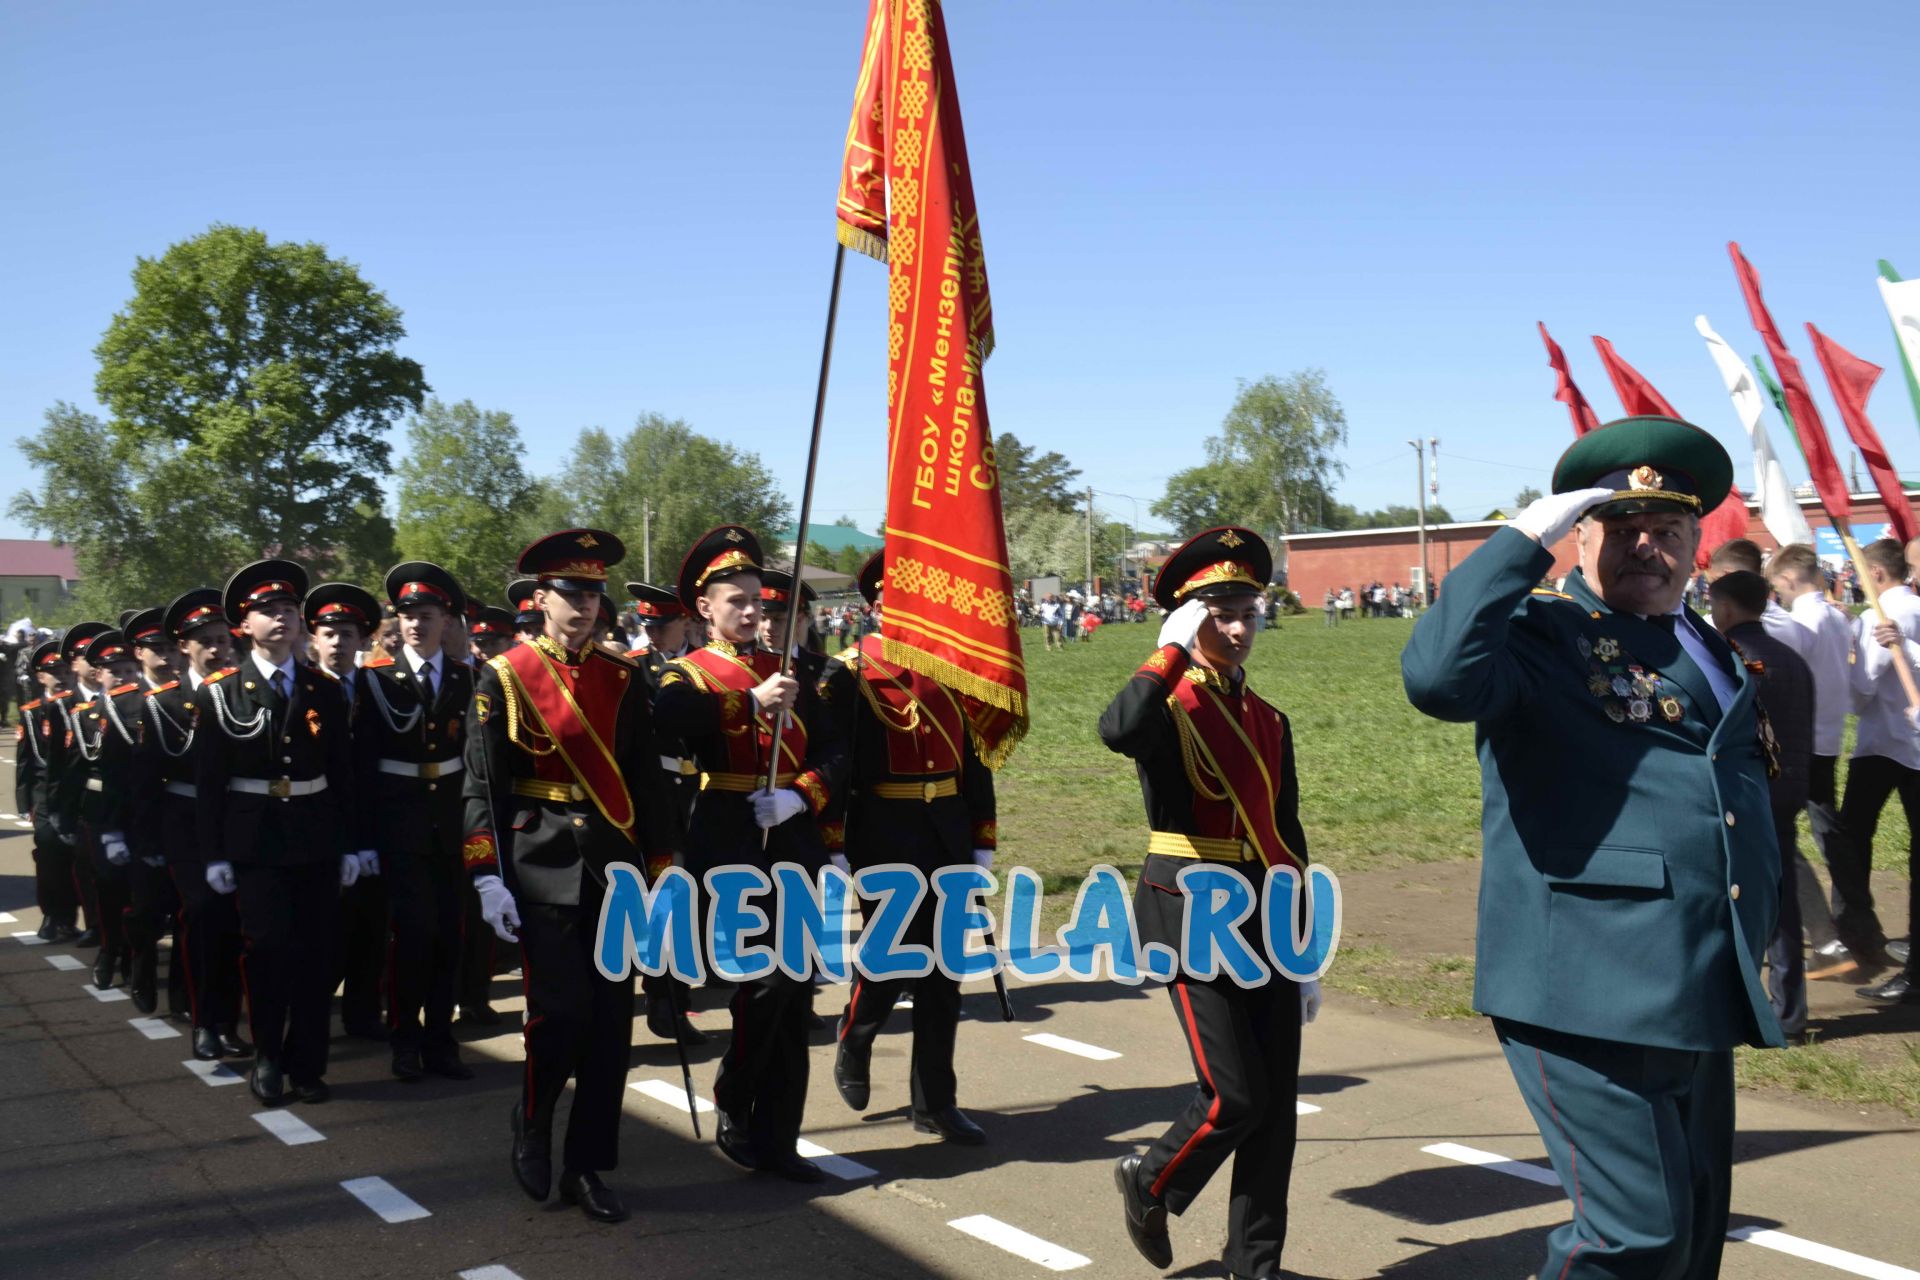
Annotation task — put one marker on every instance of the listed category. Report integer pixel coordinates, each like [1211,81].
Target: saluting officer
[724,701]
[208,943]
[40,757]
[916,793]
[1216,768]
[409,739]
[154,908]
[560,782]
[273,782]
[665,620]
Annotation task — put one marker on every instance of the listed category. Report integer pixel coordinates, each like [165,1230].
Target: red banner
[1637,395]
[1564,390]
[1802,416]
[1851,379]
[906,198]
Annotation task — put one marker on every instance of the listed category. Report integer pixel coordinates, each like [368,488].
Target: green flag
[1779,398]
[1888,274]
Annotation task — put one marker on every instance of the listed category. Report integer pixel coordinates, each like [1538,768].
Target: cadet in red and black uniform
[916,793]
[561,765]
[665,621]
[490,635]
[208,944]
[529,624]
[154,908]
[409,741]
[103,737]
[70,784]
[490,632]
[724,700]
[273,783]
[1217,774]
[40,757]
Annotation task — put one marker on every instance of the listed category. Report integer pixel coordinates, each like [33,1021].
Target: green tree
[466,501]
[1272,464]
[1525,498]
[1028,479]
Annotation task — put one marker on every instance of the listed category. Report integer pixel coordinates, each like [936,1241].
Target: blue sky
[591,210]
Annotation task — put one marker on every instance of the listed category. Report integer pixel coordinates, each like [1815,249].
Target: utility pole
[646,537]
[1420,496]
[1089,587]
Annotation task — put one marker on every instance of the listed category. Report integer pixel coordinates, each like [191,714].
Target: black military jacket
[423,813]
[161,800]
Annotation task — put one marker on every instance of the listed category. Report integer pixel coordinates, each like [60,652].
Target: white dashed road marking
[1495,1163]
[288,1127]
[61,960]
[672,1094]
[7,917]
[493,1272]
[154,1028]
[1019,1243]
[385,1199]
[28,938]
[1047,1040]
[836,1166]
[1304,1108]
[105,995]
[213,1073]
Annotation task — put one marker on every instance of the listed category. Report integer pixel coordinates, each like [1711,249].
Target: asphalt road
[1418,1161]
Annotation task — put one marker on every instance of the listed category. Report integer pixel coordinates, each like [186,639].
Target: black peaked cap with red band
[420,581]
[520,596]
[77,638]
[776,591]
[722,552]
[263,582]
[108,647]
[868,579]
[491,620]
[1227,561]
[192,610]
[46,654]
[339,602]
[654,603]
[145,627]
[573,559]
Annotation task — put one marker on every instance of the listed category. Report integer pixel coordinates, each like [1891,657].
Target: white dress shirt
[1724,688]
[1884,729]
[267,669]
[430,665]
[1830,656]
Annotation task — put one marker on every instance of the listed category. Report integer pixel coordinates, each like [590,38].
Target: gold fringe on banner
[967,684]
[860,240]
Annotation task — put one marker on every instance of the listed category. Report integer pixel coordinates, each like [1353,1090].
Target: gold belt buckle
[430,769]
[929,791]
[279,788]
[688,768]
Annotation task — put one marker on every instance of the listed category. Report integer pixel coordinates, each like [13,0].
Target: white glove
[1183,624]
[1309,1001]
[349,870]
[220,877]
[983,857]
[496,907]
[369,860]
[154,860]
[1547,520]
[114,845]
[771,808]
[840,860]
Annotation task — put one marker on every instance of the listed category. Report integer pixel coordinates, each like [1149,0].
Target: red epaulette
[162,688]
[380,659]
[221,674]
[63,693]
[30,706]
[128,687]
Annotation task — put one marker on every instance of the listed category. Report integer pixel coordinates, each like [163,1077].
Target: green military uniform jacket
[1630,873]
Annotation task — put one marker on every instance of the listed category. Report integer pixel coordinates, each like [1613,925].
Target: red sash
[1243,751]
[578,708]
[723,671]
[928,727]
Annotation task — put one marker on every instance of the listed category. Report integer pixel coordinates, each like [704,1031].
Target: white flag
[1778,511]
[1903,304]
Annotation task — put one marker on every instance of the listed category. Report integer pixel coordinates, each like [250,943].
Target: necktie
[279,683]
[426,685]
[1665,621]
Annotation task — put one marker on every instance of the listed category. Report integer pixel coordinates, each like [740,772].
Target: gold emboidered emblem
[587,541]
[1645,477]
[1230,539]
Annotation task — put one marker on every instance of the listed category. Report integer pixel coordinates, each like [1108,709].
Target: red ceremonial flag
[1801,414]
[1637,395]
[1851,380]
[1564,390]
[1725,522]
[906,198]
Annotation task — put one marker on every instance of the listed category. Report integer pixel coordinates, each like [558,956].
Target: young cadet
[340,618]
[409,739]
[529,624]
[560,776]
[916,793]
[724,701]
[273,782]
[154,906]
[103,736]
[164,789]
[490,633]
[665,621]
[1217,773]
[64,797]
[40,757]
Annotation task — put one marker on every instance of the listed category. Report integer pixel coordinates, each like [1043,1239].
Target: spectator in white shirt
[1744,553]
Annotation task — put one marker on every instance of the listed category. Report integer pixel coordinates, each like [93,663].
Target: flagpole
[798,602]
[1900,663]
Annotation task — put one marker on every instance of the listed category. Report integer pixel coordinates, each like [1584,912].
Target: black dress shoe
[1146,1216]
[266,1082]
[1898,989]
[594,1197]
[852,1075]
[103,970]
[231,1044]
[45,931]
[661,1021]
[480,1015]
[794,1167]
[311,1092]
[407,1065]
[1899,952]
[141,983]
[206,1045]
[532,1156]
[951,1124]
[731,1135]
[65,933]
[446,1062]
[86,938]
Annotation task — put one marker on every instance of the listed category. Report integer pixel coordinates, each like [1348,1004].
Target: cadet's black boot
[852,1068]
[266,1081]
[206,1045]
[594,1197]
[143,981]
[532,1151]
[1146,1216]
[231,1045]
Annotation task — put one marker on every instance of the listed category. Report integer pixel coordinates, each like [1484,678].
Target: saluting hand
[1183,625]
[1547,520]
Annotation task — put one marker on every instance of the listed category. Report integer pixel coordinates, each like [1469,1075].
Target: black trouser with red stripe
[291,919]
[764,1072]
[1245,1046]
[363,952]
[423,895]
[55,889]
[936,1016]
[579,1025]
[151,912]
[210,943]
[111,897]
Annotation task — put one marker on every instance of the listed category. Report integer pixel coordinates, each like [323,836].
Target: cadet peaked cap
[654,603]
[1651,463]
[332,603]
[421,582]
[77,636]
[263,582]
[868,579]
[721,553]
[1227,561]
[573,559]
[776,590]
[192,610]
[145,627]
